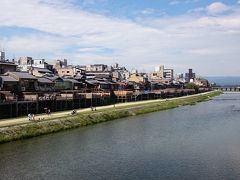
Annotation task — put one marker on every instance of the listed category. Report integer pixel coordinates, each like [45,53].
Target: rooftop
[7,63]
[22,75]
[44,70]
[44,80]
[8,79]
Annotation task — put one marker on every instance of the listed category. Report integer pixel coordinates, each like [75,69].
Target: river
[189,142]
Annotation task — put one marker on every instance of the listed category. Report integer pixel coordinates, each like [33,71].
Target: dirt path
[24,120]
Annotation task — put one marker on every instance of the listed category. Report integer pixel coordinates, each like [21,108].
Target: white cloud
[217,8]
[181,42]
[36,45]
[148,11]
[175,2]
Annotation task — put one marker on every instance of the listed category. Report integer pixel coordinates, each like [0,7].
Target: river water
[190,142]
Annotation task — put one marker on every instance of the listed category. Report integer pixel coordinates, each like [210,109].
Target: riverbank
[63,121]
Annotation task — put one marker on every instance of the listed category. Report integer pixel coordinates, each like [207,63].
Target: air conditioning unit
[23,89]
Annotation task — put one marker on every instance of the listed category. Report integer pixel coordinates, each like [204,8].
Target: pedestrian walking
[73,112]
[46,110]
[33,117]
[29,116]
[49,112]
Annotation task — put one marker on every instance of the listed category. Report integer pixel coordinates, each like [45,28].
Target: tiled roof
[44,80]
[7,63]
[8,79]
[23,75]
[92,81]
[73,81]
[53,78]
[44,70]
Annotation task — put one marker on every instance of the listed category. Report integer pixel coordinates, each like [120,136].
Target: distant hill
[224,81]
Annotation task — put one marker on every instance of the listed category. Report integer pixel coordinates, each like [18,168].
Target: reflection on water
[190,142]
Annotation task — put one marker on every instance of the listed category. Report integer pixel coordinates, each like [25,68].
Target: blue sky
[201,34]
[130,8]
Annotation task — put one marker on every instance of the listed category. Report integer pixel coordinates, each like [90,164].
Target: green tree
[192,86]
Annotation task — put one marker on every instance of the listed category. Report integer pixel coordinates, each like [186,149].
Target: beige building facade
[69,71]
[161,73]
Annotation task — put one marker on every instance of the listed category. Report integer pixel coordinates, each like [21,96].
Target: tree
[192,86]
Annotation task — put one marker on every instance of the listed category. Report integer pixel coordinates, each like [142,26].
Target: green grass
[90,118]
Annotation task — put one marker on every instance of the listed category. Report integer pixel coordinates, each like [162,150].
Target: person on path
[46,110]
[29,117]
[73,112]
[49,112]
[33,117]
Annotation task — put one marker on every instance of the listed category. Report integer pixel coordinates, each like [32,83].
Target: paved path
[24,120]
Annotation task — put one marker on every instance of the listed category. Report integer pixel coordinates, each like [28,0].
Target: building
[27,82]
[2,56]
[39,72]
[137,78]
[190,75]
[97,67]
[26,63]
[69,71]
[161,73]
[168,74]
[68,84]
[201,82]
[8,87]
[8,83]
[6,65]
[83,67]
[119,73]
[45,85]
[60,64]
[179,77]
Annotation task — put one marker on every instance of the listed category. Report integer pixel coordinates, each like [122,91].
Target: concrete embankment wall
[89,118]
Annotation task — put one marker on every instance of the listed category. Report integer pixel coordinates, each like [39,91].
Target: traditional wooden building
[7,83]
[27,82]
[39,72]
[6,66]
[45,84]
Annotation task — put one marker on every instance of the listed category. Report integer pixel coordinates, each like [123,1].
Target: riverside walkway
[24,120]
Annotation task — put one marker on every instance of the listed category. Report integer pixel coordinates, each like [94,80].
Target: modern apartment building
[161,73]
[25,64]
[190,75]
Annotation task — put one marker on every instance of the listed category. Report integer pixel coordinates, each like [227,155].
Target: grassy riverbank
[89,118]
